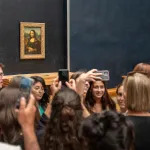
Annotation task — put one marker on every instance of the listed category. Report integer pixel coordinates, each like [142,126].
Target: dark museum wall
[109,34]
[50,12]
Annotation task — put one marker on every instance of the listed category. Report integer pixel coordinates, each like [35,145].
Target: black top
[142,132]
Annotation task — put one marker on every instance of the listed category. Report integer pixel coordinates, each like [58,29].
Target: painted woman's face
[98,89]
[32,34]
[38,91]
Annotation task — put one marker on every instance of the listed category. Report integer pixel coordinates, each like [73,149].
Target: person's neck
[138,113]
[123,110]
[97,101]
[97,108]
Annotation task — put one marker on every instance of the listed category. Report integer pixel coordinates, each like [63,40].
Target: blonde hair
[137,89]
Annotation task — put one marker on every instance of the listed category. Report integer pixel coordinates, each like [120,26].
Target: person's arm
[30,139]
[81,84]
[85,112]
[91,75]
[55,87]
[48,110]
[26,118]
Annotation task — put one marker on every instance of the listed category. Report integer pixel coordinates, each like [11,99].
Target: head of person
[66,116]
[1,75]
[76,75]
[15,81]
[98,92]
[120,97]
[137,92]
[142,67]
[11,130]
[108,130]
[32,34]
[23,83]
[39,90]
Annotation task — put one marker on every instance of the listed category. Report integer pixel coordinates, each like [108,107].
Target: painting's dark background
[50,12]
[110,34]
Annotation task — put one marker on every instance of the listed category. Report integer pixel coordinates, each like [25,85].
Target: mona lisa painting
[32,40]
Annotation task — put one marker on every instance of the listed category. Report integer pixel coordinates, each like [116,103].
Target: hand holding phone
[25,88]
[63,75]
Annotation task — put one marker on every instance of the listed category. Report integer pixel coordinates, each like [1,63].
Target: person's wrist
[28,130]
[51,99]
[48,111]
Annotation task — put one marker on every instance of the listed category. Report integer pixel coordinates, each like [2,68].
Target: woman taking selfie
[98,99]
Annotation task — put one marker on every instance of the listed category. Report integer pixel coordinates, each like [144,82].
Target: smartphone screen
[25,90]
[63,75]
[105,75]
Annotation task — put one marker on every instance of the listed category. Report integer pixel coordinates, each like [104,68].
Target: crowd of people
[78,116]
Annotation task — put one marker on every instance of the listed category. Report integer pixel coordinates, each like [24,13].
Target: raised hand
[71,84]
[91,75]
[26,113]
[56,86]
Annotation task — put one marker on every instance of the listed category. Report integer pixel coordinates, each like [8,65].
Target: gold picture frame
[32,40]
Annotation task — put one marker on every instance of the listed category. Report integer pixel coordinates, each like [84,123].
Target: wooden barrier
[48,77]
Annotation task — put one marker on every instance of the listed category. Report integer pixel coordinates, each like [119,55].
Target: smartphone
[105,75]
[25,90]
[63,75]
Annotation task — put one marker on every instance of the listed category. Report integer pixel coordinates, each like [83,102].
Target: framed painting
[32,40]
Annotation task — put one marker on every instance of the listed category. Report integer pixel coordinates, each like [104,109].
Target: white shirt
[4,146]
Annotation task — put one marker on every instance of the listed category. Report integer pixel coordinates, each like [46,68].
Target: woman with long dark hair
[62,128]
[9,99]
[10,129]
[97,98]
[40,93]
